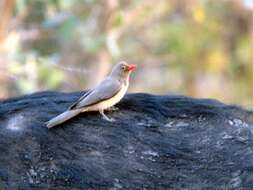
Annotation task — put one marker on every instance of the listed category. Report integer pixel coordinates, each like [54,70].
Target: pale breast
[111,101]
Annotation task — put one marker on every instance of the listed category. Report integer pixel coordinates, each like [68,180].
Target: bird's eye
[123,67]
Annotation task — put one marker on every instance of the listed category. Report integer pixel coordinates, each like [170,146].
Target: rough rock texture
[157,142]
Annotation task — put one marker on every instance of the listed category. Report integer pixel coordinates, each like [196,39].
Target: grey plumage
[106,89]
[103,96]
[63,117]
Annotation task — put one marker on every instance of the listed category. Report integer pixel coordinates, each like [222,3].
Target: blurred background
[199,48]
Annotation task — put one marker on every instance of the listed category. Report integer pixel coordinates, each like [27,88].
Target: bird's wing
[79,100]
[105,90]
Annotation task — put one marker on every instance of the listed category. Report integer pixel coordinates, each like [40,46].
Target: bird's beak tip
[131,67]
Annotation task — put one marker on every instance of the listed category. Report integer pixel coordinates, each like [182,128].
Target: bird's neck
[125,81]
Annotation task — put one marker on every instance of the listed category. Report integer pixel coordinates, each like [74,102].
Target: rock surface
[156,142]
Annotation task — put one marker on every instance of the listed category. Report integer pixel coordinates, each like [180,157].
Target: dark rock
[156,142]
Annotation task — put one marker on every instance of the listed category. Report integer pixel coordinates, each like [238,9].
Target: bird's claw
[108,119]
[105,117]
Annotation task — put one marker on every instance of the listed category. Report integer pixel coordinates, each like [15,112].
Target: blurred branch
[6,8]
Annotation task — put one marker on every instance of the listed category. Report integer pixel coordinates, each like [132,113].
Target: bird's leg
[113,108]
[105,117]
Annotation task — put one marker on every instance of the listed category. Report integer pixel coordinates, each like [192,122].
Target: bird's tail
[63,117]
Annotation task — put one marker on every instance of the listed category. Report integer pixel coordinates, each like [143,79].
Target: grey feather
[63,117]
[105,90]
[73,106]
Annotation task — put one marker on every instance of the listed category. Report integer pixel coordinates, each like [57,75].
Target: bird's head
[122,70]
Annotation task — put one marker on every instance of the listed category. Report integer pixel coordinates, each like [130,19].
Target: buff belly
[109,102]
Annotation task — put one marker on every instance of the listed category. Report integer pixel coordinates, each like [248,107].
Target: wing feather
[105,90]
[72,106]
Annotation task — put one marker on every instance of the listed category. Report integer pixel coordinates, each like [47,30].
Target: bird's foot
[109,119]
[113,108]
[105,117]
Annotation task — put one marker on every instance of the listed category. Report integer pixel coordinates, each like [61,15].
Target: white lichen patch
[170,124]
[116,184]
[16,122]
[226,136]
[230,122]
[182,124]
[240,124]
[143,124]
[177,124]
[150,153]
[130,150]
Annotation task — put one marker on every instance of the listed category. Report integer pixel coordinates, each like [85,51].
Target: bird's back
[107,89]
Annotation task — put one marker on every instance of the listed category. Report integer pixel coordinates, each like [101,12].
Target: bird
[103,97]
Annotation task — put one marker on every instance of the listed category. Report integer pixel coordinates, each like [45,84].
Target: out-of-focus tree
[6,8]
[201,48]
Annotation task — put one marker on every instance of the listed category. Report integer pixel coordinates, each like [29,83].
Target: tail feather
[63,117]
